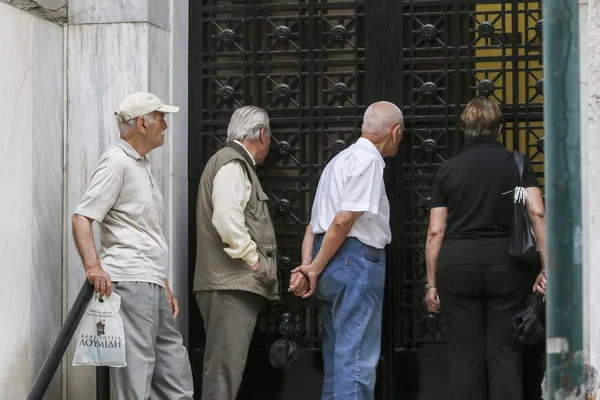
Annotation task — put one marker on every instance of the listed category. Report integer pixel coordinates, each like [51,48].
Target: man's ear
[500,129]
[397,134]
[141,124]
[262,135]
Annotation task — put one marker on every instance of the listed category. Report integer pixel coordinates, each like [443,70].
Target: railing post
[102,383]
[563,194]
[62,342]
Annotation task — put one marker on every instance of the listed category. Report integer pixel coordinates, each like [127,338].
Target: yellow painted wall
[528,13]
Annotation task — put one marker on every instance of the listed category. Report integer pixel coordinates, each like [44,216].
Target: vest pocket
[267,272]
[261,231]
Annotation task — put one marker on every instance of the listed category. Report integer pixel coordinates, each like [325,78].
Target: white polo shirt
[124,198]
[353,181]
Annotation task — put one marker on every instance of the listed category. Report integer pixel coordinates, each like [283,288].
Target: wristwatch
[428,286]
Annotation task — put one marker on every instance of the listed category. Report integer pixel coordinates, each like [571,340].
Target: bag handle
[520,160]
[520,195]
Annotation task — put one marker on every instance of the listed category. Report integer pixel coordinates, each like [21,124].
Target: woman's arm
[435,238]
[537,216]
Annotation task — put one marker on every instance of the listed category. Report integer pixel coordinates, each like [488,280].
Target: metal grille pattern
[452,53]
[305,63]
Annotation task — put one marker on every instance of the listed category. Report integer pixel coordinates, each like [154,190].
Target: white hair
[127,128]
[246,123]
[380,117]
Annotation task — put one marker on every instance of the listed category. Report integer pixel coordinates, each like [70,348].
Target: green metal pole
[563,198]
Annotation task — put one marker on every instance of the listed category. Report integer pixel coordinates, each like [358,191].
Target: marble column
[115,48]
[177,199]
[31,117]
[583,86]
[591,187]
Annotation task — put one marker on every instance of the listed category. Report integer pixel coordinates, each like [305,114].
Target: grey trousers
[157,362]
[229,321]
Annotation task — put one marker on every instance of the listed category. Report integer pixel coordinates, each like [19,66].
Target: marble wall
[50,10]
[49,4]
[102,70]
[156,12]
[31,204]
[115,48]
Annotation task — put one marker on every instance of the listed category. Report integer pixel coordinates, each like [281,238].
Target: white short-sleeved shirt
[353,181]
[124,198]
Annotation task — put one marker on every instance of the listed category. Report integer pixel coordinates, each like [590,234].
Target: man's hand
[540,284]
[100,279]
[172,302]
[431,298]
[299,285]
[255,266]
[313,272]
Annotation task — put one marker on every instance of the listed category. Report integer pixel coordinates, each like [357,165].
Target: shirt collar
[244,147]
[130,151]
[482,142]
[367,144]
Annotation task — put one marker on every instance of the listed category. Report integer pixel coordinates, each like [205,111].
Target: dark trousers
[478,303]
[534,368]
[534,358]
[229,321]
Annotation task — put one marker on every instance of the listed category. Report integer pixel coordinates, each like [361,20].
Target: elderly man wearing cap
[124,198]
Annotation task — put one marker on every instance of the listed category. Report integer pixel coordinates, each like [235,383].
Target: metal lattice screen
[303,63]
[452,52]
[310,64]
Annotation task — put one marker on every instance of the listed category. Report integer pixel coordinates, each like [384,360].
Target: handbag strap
[520,160]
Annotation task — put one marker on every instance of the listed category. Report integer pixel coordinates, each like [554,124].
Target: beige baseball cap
[139,104]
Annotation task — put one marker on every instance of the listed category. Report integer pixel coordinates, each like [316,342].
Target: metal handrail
[52,362]
[102,383]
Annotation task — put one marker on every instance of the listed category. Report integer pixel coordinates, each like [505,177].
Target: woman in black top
[480,286]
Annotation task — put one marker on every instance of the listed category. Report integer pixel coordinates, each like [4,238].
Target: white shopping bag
[101,338]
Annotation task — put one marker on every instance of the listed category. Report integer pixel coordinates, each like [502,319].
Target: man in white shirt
[348,232]
[123,197]
[236,262]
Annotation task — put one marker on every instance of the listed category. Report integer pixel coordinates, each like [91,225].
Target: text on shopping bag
[101,338]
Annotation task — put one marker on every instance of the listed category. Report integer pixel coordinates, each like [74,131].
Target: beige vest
[215,270]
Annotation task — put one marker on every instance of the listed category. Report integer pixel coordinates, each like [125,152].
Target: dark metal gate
[316,65]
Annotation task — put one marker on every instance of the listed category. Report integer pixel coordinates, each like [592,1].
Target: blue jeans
[350,301]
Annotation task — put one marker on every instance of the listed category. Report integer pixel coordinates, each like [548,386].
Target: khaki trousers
[229,321]
[158,366]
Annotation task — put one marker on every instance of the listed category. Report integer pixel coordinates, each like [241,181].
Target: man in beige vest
[236,262]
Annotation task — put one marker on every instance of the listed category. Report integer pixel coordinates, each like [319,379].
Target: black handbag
[528,325]
[522,240]
[284,351]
